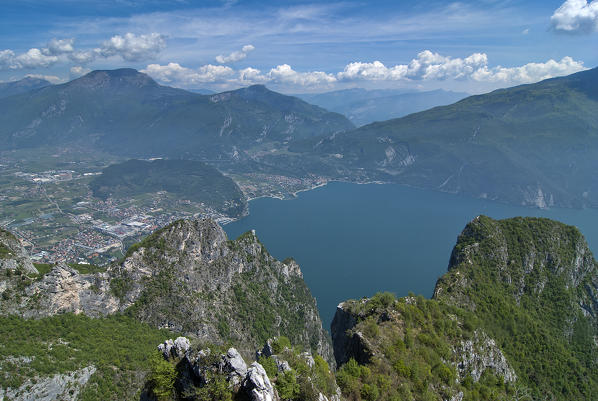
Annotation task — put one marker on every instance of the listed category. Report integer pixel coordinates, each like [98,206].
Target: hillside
[185,179]
[363,106]
[127,113]
[24,85]
[532,144]
[515,317]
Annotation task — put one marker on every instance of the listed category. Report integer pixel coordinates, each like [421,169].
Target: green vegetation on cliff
[407,351]
[118,348]
[533,285]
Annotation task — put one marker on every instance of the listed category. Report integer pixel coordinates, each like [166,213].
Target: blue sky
[303,46]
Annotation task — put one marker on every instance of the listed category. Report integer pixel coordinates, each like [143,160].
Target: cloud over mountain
[129,47]
[427,66]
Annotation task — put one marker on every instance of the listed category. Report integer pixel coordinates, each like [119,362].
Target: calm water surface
[354,240]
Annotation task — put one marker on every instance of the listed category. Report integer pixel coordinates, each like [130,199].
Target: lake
[354,240]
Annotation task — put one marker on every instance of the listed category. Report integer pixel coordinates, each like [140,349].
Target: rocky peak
[526,255]
[12,254]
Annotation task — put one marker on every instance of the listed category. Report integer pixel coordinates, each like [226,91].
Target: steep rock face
[348,344]
[534,280]
[12,254]
[190,278]
[480,353]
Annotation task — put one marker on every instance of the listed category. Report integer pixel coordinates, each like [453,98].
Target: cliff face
[187,277]
[533,284]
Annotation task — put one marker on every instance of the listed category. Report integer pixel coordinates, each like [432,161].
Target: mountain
[363,106]
[184,179]
[97,331]
[532,144]
[515,317]
[187,277]
[125,112]
[24,85]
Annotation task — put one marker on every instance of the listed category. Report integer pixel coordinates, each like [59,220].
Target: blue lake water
[355,240]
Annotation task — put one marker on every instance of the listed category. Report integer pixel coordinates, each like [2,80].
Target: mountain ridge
[531,144]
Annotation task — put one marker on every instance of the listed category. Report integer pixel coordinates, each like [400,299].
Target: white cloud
[133,47]
[34,58]
[284,74]
[77,71]
[427,66]
[130,47]
[433,66]
[50,78]
[174,73]
[236,55]
[576,16]
[59,46]
[529,73]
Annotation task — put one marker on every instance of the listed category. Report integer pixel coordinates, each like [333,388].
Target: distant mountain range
[363,106]
[127,113]
[24,85]
[532,144]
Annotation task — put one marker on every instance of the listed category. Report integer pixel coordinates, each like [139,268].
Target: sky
[300,46]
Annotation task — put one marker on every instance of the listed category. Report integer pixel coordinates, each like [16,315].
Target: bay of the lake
[354,240]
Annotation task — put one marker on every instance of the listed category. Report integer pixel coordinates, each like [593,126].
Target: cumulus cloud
[33,58]
[50,78]
[284,74]
[77,71]
[59,46]
[175,73]
[129,47]
[236,55]
[576,16]
[133,47]
[427,66]
[433,66]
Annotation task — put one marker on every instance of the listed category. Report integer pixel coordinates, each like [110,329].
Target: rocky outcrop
[480,353]
[348,343]
[257,384]
[201,370]
[190,278]
[13,256]
[64,387]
